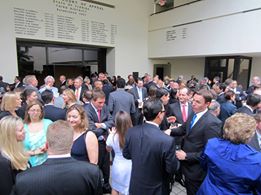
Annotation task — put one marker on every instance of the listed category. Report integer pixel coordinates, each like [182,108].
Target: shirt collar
[200,114]
[152,123]
[60,156]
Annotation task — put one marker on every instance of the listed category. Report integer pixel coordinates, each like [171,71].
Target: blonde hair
[9,101]
[10,147]
[239,128]
[70,94]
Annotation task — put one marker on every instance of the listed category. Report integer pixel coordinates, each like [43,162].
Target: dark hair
[228,95]
[120,83]
[47,96]
[122,124]
[206,94]
[151,108]
[161,92]
[87,95]
[221,86]
[152,91]
[253,100]
[27,92]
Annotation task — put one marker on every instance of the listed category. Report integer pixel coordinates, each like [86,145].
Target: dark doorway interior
[234,67]
[48,58]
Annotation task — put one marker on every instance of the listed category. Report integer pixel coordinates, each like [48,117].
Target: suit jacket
[121,100]
[175,110]
[246,110]
[195,139]
[84,88]
[135,93]
[60,176]
[254,143]
[153,159]
[53,113]
[227,109]
[106,118]
[6,176]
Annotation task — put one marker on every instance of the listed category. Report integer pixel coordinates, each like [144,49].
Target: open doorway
[46,58]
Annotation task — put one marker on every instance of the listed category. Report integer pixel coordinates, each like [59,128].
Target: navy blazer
[7,178]
[195,139]
[106,118]
[254,143]
[245,110]
[153,159]
[227,109]
[60,176]
[53,113]
[174,110]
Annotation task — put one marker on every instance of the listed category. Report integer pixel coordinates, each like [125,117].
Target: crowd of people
[143,133]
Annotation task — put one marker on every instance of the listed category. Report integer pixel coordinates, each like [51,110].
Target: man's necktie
[193,121]
[184,115]
[99,115]
[77,94]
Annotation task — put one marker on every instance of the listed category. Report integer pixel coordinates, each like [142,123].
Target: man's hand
[98,125]
[181,155]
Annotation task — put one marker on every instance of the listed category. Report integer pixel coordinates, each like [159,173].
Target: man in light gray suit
[121,100]
[255,141]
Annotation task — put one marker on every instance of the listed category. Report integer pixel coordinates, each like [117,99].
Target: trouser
[104,162]
[192,186]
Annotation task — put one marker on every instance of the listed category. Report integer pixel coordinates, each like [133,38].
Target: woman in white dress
[121,167]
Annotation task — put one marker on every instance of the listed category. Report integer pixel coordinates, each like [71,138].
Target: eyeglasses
[34,110]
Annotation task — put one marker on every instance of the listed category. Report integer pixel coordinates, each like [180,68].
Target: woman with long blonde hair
[69,98]
[10,103]
[13,158]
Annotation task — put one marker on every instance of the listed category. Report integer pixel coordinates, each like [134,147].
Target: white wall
[222,29]
[8,56]
[130,53]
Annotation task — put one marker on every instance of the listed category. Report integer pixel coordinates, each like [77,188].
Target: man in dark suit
[79,88]
[139,93]
[181,109]
[197,130]
[100,121]
[255,141]
[60,174]
[152,153]
[121,100]
[251,104]
[50,111]
[7,179]
[62,81]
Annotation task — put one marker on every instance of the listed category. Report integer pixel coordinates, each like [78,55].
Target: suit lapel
[197,124]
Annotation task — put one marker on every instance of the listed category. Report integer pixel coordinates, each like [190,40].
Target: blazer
[121,100]
[153,159]
[195,139]
[135,93]
[174,110]
[231,168]
[60,176]
[53,113]
[246,110]
[254,143]
[227,109]
[7,179]
[106,118]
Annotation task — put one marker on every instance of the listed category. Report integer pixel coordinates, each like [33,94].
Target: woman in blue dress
[232,166]
[121,167]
